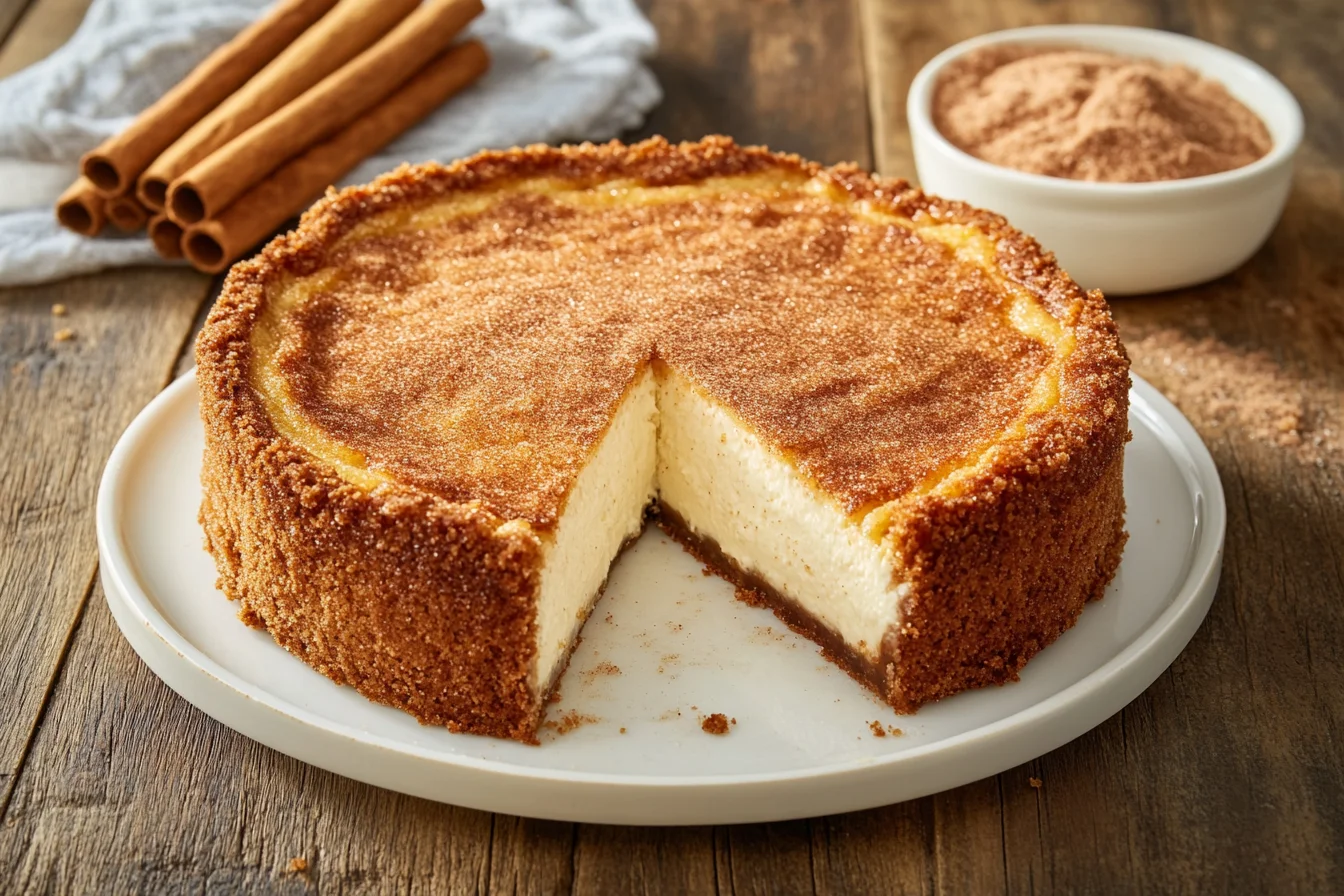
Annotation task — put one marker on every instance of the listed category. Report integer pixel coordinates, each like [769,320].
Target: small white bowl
[1126,238]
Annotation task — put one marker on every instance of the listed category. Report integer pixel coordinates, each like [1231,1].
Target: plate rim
[1169,633]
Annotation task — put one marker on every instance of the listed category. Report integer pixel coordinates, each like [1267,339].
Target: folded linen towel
[560,71]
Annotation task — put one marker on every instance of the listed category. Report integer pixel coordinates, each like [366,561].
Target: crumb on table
[65,334]
[298,865]
[568,721]
[603,668]
[877,729]
[1036,783]
[58,310]
[714,724]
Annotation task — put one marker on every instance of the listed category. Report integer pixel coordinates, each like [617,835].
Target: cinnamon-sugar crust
[421,597]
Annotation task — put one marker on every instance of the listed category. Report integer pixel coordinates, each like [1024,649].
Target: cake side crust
[1003,566]
[415,602]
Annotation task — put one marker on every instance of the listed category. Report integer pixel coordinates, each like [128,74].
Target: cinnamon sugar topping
[476,343]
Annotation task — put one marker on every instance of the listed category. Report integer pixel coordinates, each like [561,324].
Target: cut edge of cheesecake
[674,452]
[1058,481]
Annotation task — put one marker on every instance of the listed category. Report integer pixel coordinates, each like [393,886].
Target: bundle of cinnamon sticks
[260,128]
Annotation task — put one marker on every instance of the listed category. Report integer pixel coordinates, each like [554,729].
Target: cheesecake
[437,411]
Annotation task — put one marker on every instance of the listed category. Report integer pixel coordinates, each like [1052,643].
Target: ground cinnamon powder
[1095,116]
[1228,389]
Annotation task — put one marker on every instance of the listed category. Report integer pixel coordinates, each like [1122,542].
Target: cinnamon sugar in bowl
[1127,230]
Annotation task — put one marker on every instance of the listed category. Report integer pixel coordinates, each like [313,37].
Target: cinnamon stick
[211,245]
[166,236]
[114,165]
[216,181]
[334,40]
[126,212]
[81,209]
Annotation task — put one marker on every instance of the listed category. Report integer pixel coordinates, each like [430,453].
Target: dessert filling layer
[672,441]
[727,486]
[605,510]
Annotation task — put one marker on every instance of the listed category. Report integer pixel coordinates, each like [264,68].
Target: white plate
[685,648]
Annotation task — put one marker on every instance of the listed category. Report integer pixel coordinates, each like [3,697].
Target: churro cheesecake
[437,411]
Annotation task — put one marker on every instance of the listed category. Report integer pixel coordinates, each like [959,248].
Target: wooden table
[1226,776]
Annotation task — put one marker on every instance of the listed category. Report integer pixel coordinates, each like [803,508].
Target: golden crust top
[478,356]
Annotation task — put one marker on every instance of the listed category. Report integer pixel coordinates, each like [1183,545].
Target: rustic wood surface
[1226,776]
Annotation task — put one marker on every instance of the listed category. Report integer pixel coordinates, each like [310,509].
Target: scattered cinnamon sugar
[878,730]
[715,724]
[1036,783]
[1089,115]
[555,696]
[622,730]
[894,731]
[569,721]
[1225,388]
[602,668]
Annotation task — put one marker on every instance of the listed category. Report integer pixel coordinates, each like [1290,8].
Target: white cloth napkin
[561,70]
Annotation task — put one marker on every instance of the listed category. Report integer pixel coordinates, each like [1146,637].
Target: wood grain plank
[150,794]
[10,13]
[65,403]
[531,856]
[1224,776]
[610,859]
[785,73]
[187,359]
[770,858]
[44,25]
[886,850]
[133,790]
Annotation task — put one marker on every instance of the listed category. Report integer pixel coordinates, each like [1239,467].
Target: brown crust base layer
[754,590]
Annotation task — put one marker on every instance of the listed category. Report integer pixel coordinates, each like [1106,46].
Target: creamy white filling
[729,486]
[670,439]
[605,507]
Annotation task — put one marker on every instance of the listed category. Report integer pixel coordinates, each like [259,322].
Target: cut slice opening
[670,444]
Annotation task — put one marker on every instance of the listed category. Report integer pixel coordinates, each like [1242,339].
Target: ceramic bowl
[1126,238]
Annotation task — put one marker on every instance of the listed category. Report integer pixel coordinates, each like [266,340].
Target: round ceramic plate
[666,647]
